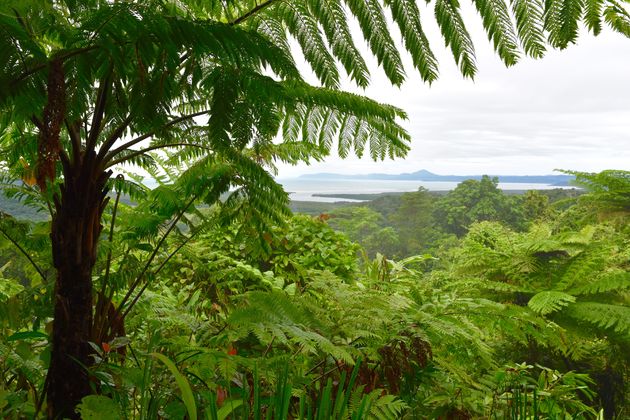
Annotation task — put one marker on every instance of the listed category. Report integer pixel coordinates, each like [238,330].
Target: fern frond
[550,301]
[582,267]
[615,279]
[593,15]
[273,314]
[407,16]
[274,29]
[456,35]
[562,18]
[503,287]
[334,21]
[617,18]
[498,25]
[304,28]
[371,19]
[529,18]
[609,317]
[609,189]
[386,407]
[364,121]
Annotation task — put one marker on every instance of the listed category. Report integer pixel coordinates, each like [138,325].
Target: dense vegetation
[400,225]
[208,279]
[499,316]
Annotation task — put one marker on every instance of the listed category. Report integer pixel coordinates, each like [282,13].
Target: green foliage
[558,272]
[195,93]
[528,16]
[272,326]
[498,25]
[98,407]
[536,206]
[549,301]
[607,190]
[182,383]
[367,227]
[405,224]
[414,220]
[407,16]
[577,280]
[615,318]
[477,201]
[289,253]
[550,395]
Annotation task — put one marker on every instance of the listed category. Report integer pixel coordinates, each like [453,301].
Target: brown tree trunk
[76,227]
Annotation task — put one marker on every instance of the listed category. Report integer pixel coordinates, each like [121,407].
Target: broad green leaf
[228,408]
[28,335]
[182,383]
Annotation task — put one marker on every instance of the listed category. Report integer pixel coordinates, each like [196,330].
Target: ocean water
[304,189]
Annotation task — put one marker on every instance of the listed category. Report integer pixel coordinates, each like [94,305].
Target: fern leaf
[606,282]
[407,16]
[456,35]
[529,18]
[503,287]
[593,15]
[386,407]
[561,21]
[498,25]
[334,21]
[610,317]
[549,301]
[618,18]
[304,28]
[371,19]
[274,30]
[582,267]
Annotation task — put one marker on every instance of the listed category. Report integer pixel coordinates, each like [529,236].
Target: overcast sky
[569,110]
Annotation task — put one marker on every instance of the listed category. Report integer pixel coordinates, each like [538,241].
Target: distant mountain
[424,175]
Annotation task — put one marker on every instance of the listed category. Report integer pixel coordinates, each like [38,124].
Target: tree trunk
[76,227]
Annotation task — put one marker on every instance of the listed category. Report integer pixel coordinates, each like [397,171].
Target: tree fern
[273,316]
[583,266]
[607,190]
[304,28]
[87,87]
[553,273]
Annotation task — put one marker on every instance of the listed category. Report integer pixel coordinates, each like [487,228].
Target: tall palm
[87,86]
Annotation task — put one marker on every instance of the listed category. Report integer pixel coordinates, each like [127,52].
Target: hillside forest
[151,266]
